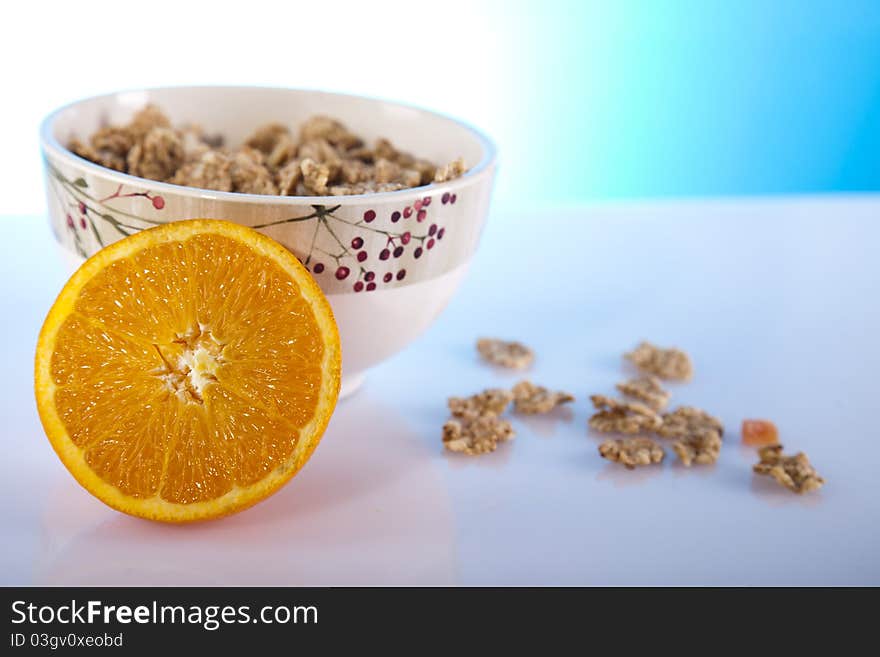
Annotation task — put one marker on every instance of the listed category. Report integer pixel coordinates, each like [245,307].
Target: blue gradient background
[656,99]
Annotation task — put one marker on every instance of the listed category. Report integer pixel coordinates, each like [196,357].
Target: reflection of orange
[759,432]
[187,371]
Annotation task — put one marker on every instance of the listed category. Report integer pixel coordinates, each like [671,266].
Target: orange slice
[188,371]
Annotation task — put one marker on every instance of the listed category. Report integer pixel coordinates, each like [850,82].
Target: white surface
[775,300]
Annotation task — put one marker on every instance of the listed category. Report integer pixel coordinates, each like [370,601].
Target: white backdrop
[447,57]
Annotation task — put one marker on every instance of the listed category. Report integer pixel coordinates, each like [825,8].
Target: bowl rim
[50,144]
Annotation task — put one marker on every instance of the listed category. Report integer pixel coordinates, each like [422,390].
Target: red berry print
[158,202]
[69,221]
[418,204]
[369,276]
[445,198]
[417,253]
[369,215]
[387,277]
[421,216]
[426,201]
[82,207]
[361,256]
[342,273]
[398,251]
[453,198]
[430,244]
[432,230]
[405,238]
[358,286]
[371,286]
[82,223]
[395,216]
[357,242]
[384,254]
[318,268]
[401,274]
[441,233]
[407,212]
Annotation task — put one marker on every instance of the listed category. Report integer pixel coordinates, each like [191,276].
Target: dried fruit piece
[531,399]
[759,432]
[672,363]
[479,435]
[632,452]
[647,389]
[493,401]
[615,416]
[514,355]
[793,472]
[702,448]
[687,420]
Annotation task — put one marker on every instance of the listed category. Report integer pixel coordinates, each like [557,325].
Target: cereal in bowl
[322,158]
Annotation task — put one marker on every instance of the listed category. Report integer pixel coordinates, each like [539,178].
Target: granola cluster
[672,364]
[793,472]
[530,399]
[632,452]
[493,401]
[323,158]
[615,416]
[478,435]
[646,389]
[476,426]
[513,355]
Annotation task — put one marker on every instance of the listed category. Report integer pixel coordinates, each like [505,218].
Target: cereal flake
[479,435]
[530,399]
[647,389]
[702,448]
[514,355]
[687,420]
[614,416]
[672,364]
[632,452]
[793,472]
[493,401]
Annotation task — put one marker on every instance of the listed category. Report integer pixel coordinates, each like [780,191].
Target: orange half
[188,371]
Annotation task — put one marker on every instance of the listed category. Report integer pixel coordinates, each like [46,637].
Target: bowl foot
[351,383]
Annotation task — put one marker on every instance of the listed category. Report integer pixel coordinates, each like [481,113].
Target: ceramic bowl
[388,262]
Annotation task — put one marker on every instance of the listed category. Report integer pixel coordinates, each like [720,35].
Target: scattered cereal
[493,401]
[325,158]
[506,354]
[759,432]
[647,389]
[615,416]
[479,435]
[702,448]
[530,399]
[697,435]
[687,420]
[793,472]
[632,452]
[671,363]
